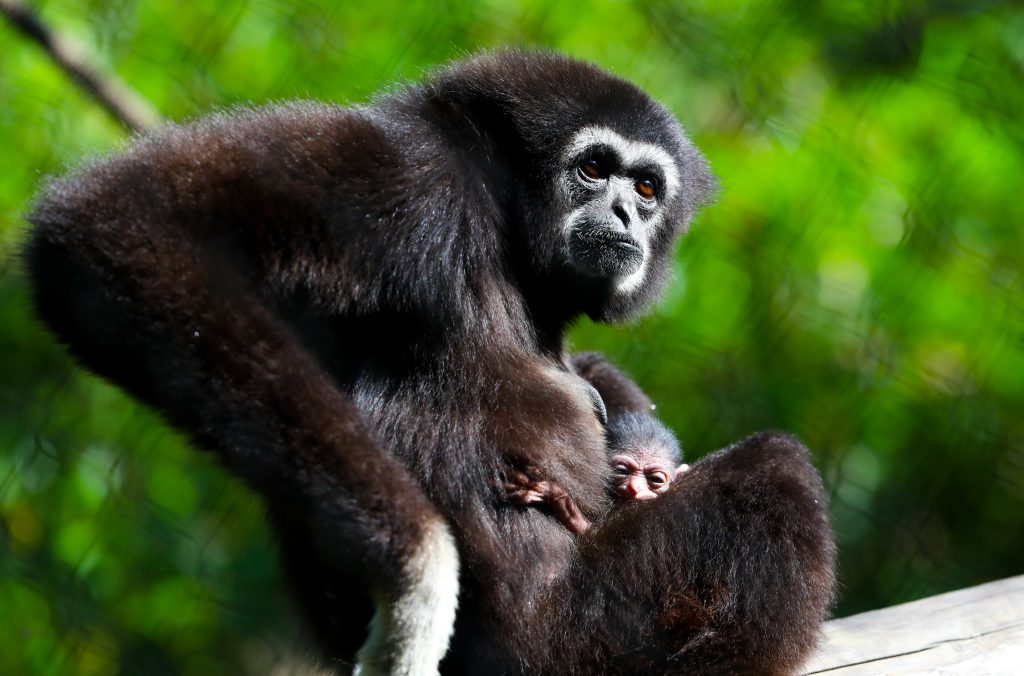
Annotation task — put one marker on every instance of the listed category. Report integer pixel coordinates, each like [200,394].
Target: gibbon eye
[657,478]
[591,169]
[645,188]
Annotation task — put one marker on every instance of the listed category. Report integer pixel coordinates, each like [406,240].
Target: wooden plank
[971,631]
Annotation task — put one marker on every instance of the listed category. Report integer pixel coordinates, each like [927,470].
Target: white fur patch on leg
[411,628]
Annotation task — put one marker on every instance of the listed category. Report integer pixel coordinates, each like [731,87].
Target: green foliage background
[858,283]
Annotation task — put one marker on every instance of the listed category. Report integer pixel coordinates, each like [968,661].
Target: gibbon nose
[636,488]
[621,213]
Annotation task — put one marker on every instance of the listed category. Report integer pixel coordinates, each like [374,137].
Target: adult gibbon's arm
[731,571]
[161,269]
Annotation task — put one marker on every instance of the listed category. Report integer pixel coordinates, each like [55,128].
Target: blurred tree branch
[122,102]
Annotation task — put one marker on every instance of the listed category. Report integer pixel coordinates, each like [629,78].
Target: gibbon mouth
[618,239]
[604,237]
[604,252]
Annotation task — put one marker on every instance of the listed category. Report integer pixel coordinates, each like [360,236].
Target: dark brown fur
[361,311]
[630,428]
[620,394]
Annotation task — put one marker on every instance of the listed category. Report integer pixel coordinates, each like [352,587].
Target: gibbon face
[618,191]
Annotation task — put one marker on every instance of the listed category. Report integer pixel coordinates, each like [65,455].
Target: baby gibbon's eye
[657,479]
